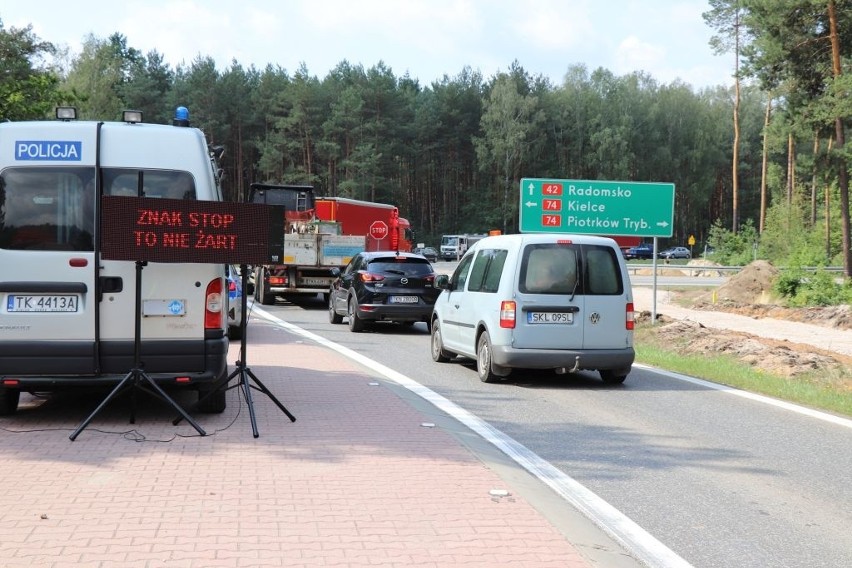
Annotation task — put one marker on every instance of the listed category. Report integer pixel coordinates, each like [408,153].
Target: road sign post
[596,207]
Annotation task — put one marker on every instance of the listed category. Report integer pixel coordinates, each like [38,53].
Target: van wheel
[216,402]
[611,378]
[486,369]
[9,401]
[356,324]
[235,332]
[333,316]
[439,354]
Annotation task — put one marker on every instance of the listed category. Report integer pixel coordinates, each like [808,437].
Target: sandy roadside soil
[825,338]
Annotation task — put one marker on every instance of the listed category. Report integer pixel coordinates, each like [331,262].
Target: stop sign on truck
[378,230]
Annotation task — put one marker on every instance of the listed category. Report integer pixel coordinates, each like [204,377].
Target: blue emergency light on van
[48,150]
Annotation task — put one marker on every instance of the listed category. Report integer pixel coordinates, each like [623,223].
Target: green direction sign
[596,207]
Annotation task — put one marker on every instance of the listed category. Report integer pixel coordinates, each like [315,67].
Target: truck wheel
[333,316]
[439,354]
[266,297]
[9,401]
[356,324]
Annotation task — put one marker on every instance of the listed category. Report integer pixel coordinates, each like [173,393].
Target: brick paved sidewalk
[356,481]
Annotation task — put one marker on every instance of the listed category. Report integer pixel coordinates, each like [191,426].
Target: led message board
[178,230]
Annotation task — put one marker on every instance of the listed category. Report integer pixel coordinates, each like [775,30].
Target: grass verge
[829,391]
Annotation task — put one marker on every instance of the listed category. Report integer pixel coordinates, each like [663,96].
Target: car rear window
[405,266]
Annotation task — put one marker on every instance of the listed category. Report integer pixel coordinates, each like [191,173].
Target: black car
[429,252]
[383,286]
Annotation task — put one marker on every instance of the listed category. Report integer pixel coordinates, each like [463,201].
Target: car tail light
[370,277]
[629,323]
[213,305]
[507,314]
[277,281]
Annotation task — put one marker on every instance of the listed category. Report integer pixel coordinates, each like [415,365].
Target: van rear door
[550,305]
[47,258]
[606,292]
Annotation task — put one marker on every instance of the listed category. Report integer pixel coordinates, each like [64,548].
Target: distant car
[235,301]
[430,253]
[383,286]
[676,252]
[643,251]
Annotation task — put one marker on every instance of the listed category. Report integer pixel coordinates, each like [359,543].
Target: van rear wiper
[576,283]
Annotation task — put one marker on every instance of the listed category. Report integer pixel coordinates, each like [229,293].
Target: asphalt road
[721,480]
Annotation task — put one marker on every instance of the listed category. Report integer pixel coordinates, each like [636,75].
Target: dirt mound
[776,357]
[752,285]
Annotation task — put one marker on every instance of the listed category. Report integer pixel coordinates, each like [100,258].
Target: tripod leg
[131,376]
[174,404]
[247,392]
[266,391]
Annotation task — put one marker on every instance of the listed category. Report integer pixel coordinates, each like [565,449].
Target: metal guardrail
[662,265]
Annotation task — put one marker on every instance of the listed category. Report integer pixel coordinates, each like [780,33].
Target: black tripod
[242,369]
[134,378]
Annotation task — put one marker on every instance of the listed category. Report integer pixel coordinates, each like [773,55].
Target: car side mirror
[335,271]
[442,282]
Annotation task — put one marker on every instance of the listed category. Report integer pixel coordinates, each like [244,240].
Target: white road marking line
[622,529]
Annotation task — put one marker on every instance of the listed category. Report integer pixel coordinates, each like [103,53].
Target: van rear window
[155,183]
[551,268]
[47,209]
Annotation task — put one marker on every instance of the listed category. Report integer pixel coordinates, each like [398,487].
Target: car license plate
[550,317]
[316,281]
[403,299]
[52,303]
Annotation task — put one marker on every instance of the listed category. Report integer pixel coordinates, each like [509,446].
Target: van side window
[457,281]
[47,209]
[486,271]
[155,183]
[549,268]
[602,273]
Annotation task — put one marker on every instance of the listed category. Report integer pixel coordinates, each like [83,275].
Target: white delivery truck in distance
[453,247]
[67,315]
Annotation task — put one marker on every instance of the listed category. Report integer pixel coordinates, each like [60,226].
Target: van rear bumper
[47,365]
[594,359]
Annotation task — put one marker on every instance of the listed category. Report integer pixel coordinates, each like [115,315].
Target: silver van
[67,315]
[537,301]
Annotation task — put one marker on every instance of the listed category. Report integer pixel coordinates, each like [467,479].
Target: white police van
[67,315]
[537,301]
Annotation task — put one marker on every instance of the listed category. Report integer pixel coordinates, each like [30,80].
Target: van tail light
[629,322]
[507,314]
[213,305]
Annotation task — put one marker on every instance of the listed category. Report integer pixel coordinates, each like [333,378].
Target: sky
[427,39]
